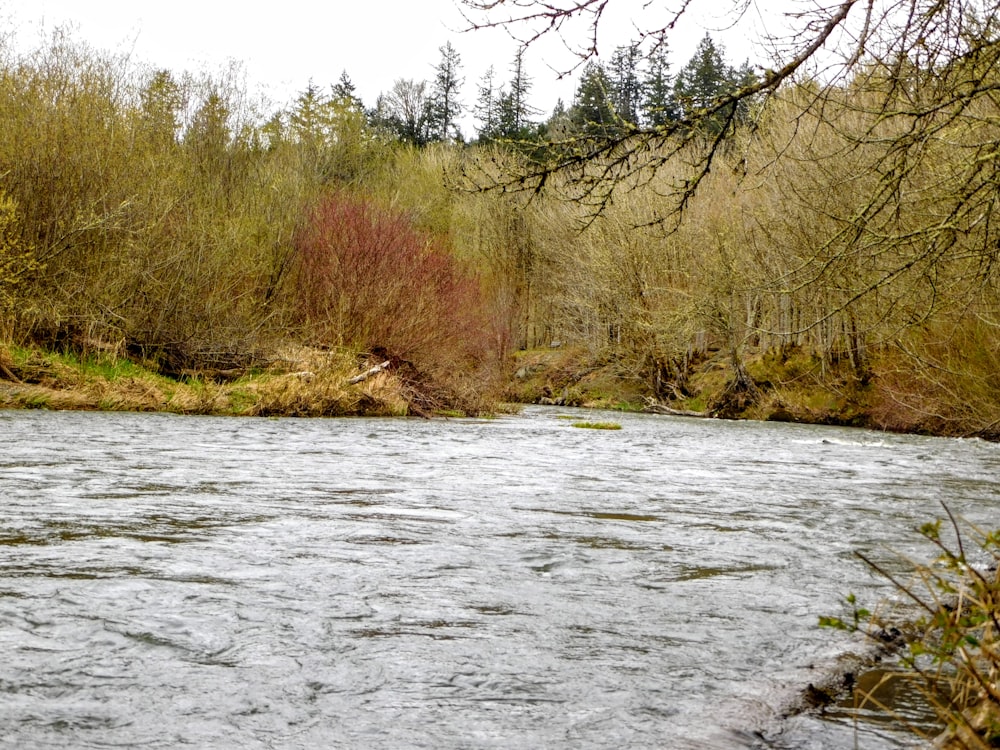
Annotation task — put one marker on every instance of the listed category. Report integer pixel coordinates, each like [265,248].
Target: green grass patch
[108,368]
[241,401]
[36,402]
[597,425]
[19,354]
[696,403]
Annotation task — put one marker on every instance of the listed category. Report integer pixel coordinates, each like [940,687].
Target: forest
[720,239]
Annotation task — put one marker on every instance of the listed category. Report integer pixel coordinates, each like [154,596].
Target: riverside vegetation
[169,223]
[946,626]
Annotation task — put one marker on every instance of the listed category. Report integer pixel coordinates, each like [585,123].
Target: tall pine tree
[592,112]
[446,107]
[162,102]
[513,111]
[308,117]
[487,106]
[704,79]
[626,87]
[343,92]
[659,105]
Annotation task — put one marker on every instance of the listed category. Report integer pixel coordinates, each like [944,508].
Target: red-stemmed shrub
[368,280]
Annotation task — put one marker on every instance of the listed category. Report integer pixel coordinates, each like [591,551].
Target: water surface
[513,583]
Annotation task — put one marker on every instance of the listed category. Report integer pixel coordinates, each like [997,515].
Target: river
[505,583]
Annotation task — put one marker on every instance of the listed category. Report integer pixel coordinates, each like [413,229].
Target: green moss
[598,425]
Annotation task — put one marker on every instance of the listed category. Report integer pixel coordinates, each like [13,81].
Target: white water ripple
[512,583]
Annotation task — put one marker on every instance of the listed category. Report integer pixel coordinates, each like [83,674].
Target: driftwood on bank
[654,407]
[369,373]
[7,374]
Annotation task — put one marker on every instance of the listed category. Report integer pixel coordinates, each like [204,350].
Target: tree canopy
[928,58]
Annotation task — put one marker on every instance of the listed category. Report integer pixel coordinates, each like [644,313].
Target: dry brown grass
[303,382]
[314,383]
[325,394]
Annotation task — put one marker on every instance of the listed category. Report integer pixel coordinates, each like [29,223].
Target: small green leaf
[932,530]
[833,622]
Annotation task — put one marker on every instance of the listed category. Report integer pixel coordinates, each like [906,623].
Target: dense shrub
[368,280]
[136,208]
[16,262]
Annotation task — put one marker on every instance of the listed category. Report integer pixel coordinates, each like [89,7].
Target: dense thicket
[163,215]
[144,208]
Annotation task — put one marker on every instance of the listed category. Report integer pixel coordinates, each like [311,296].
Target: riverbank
[789,385]
[784,386]
[790,390]
[299,382]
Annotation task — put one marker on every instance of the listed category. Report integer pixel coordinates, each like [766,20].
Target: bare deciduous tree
[914,45]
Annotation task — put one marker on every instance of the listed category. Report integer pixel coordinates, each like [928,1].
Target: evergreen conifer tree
[592,112]
[658,103]
[307,118]
[704,78]
[162,102]
[343,90]
[486,108]
[626,87]
[445,105]
[513,111]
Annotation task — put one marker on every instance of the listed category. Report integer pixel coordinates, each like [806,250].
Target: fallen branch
[369,373]
[652,407]
[8,374]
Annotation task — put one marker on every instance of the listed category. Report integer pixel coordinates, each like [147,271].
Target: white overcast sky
[283,45]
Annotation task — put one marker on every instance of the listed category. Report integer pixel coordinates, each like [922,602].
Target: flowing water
[510,583]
